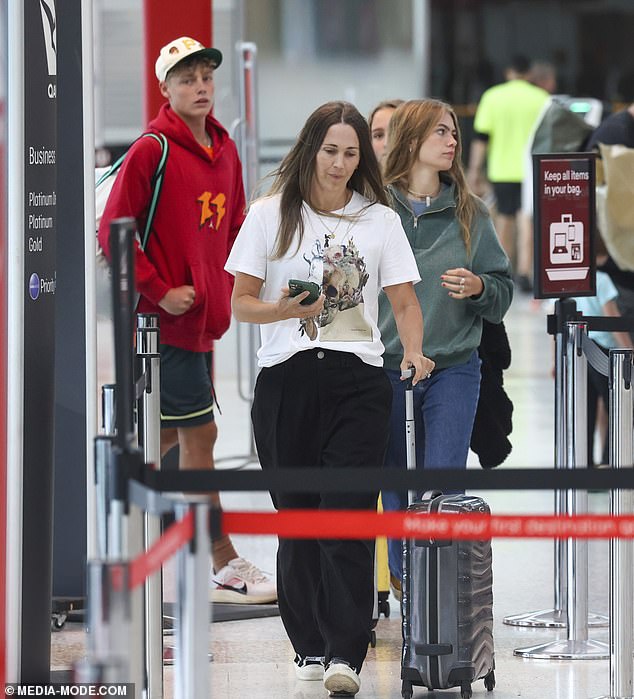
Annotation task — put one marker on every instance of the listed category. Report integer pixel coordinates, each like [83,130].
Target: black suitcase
[447,602]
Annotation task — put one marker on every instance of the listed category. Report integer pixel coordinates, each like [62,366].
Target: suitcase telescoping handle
[410,432]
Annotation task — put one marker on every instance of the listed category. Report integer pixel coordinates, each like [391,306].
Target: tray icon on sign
[566,248]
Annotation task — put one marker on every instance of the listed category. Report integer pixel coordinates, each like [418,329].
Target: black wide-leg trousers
[326,409]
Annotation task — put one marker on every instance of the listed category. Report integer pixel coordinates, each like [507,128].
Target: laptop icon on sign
[560,244]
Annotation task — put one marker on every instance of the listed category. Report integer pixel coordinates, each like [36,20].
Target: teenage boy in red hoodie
[180,273]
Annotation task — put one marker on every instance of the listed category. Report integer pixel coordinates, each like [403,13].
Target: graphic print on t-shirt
[344,276]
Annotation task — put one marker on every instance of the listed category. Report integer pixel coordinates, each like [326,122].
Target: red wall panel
[165,20]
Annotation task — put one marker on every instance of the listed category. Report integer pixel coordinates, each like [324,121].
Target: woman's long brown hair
[409,127]
[294,177]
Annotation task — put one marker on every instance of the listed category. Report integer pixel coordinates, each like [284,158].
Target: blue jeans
[444,411]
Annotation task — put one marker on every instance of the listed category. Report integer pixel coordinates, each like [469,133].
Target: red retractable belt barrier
[355,524]
[175,536]
[344,524]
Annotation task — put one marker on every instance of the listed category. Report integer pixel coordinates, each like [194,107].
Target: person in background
[379,121]
[466,278]
[493,423]
[503,124]
[321,398]
[544,75]
[618,129]
[604,303]
[180,273]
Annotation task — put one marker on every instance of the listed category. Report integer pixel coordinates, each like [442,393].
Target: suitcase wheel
[489,681]
[406,690]
[465,690]
[384,608]
[373,639]
[58,621]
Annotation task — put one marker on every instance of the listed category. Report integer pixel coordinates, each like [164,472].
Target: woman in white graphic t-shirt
[322,399]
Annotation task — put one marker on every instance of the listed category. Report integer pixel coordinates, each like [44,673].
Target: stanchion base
[566,650]
[552,619]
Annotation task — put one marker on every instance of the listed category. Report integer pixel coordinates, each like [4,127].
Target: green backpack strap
[111,170]
[156,182]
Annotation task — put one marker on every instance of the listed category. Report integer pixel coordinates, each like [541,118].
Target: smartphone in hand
[296,286]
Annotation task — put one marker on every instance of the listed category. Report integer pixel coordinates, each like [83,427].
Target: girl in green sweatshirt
[466,276]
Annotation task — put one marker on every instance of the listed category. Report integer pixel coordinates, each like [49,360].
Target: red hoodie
[200,210]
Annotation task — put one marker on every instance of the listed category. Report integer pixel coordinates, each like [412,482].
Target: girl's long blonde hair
[410,125]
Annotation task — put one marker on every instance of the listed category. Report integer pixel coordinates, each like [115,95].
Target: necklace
[331,233]
[426,197]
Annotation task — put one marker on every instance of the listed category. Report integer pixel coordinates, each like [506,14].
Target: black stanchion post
[123,460]
[122,232]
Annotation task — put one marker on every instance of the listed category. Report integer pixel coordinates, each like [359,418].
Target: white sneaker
[309,667]
[341,679]
[240,582]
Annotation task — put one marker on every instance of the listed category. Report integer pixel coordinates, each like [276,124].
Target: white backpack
[104,181]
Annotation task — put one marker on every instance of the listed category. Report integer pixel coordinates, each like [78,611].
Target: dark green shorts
[187,393]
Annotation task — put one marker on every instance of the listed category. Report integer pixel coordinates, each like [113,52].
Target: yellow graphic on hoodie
[211,208]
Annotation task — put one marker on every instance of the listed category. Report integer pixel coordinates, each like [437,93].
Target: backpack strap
[111,170]
[157,184]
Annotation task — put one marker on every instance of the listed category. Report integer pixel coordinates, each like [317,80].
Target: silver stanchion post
[103,466]
[191,659]
[577,646]
[147,349]
[621,550]
[103,469]
[557,616]
[410,426]
[108,412]
[109,624]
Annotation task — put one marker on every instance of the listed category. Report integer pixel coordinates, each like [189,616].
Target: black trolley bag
[447,602]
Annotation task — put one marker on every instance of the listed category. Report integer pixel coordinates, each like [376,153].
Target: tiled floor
[252,658]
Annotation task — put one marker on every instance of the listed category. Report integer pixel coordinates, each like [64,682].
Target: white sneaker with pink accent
[241,582]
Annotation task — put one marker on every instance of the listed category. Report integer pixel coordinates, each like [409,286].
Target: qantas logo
[49,25]
[212,210]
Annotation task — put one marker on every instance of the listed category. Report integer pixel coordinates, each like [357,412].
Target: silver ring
[428,375]
[462,282]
